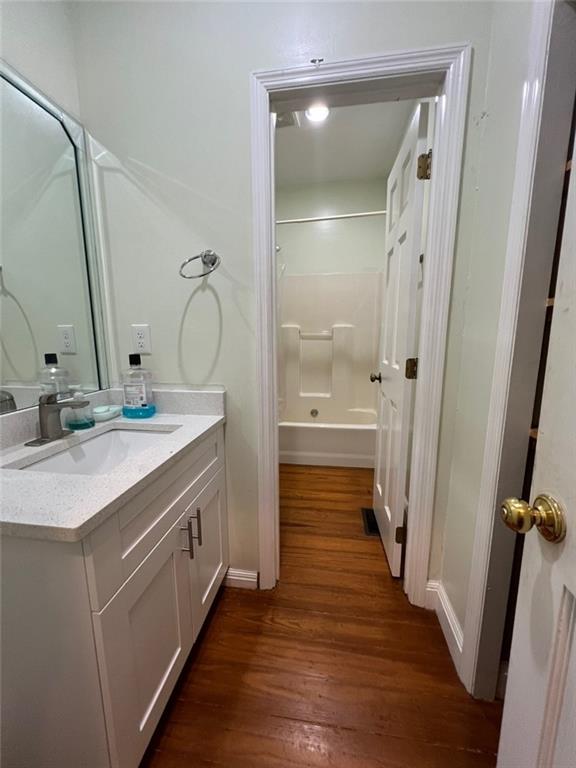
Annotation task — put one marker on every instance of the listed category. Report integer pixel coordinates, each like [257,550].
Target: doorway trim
[543,137]
[406,74]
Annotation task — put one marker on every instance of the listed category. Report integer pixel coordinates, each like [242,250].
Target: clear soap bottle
[54,378]
[137,386]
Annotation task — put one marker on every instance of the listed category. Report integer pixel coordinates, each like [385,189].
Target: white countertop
[66,507]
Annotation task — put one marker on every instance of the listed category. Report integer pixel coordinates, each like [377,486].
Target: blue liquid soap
[80,418]
[144,412]
[83,423]
[138,397]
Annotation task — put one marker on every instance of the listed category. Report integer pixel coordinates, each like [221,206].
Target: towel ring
[210,260]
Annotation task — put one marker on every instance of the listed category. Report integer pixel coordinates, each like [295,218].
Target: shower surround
[329,334]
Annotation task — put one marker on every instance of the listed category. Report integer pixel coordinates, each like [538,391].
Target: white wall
[340,245]
[36,39]
[165,86]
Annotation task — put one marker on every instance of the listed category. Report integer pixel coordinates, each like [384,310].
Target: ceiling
[357,142]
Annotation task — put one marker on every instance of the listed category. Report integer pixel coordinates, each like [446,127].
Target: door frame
[543,136]
[416,73]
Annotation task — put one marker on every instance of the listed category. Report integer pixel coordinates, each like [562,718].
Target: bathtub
[324,444]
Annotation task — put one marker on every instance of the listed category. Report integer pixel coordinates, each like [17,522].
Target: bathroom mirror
[49,297]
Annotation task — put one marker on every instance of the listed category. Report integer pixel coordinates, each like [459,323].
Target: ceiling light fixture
[317,113]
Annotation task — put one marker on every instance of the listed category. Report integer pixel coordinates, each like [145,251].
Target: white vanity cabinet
[143,637]
[145,632]
[130,600]
[209,557]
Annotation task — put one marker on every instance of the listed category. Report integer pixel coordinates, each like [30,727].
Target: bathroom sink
[100,454]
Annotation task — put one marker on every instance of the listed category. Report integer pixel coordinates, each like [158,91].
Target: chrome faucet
[49,409]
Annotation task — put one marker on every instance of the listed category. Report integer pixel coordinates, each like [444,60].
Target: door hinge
[411,370]
[424,167]
[400,534]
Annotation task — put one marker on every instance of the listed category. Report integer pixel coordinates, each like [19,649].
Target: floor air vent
[369,520]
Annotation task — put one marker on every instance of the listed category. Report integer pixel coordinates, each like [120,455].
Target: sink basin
[100,454]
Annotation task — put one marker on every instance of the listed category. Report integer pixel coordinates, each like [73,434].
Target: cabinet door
[209,562]
[143,637]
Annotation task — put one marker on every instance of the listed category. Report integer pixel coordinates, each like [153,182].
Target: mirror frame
[79,139]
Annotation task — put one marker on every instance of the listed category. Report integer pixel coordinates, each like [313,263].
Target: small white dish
[106,412]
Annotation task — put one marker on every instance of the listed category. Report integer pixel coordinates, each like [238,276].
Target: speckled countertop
[66,507]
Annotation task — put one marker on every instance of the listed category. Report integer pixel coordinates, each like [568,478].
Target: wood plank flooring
[333,668]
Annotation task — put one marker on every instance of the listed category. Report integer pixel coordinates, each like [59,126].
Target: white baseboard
[327,459]
[432,595]
[437,600]
[235,577]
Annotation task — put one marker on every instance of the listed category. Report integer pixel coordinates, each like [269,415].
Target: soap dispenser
[80,418]
[137,386]
[54,378]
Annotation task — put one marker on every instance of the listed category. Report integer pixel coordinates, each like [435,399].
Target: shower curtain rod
[331,218]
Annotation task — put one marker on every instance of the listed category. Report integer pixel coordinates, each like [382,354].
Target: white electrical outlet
[141,338]
[67,339]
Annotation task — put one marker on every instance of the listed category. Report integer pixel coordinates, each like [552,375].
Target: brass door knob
[546,514]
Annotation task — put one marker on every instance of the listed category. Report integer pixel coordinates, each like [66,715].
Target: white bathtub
[336,445]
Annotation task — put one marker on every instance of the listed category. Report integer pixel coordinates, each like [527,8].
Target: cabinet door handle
[190,530]
[199,521]
[191,537]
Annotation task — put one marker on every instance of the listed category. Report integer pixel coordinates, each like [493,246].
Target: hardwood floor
[333,667]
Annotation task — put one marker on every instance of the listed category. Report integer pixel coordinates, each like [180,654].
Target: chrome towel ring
[210,260]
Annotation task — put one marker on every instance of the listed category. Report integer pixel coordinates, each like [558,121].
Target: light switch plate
[67,337]
[141,342]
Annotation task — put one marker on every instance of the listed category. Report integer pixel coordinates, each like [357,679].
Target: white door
[143,637]
[207,518]
[539,725]
[405,195]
